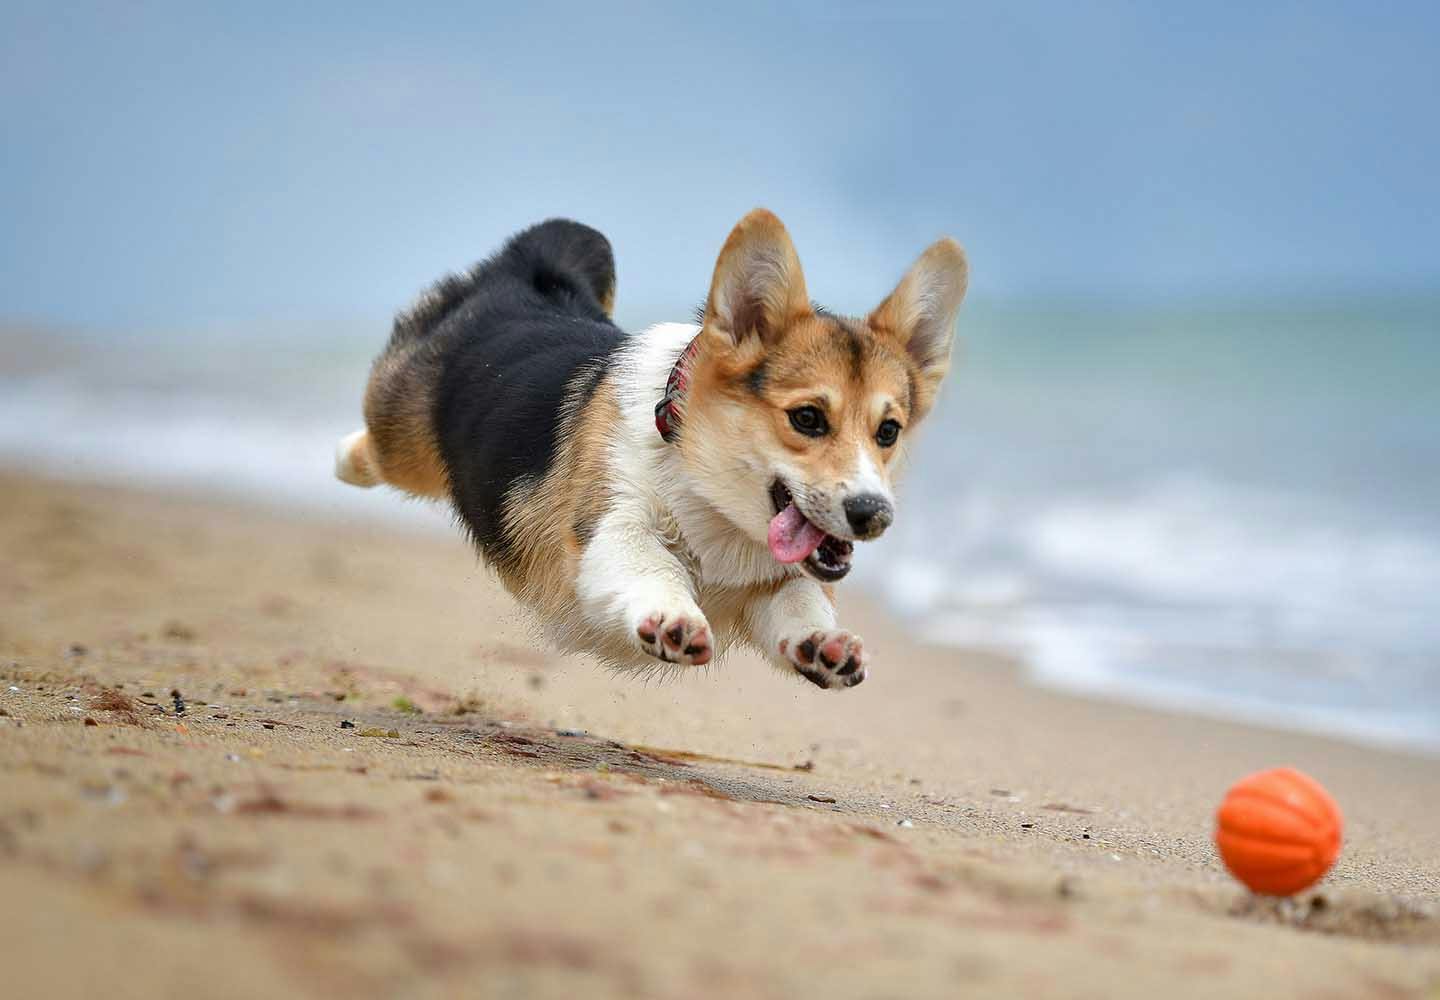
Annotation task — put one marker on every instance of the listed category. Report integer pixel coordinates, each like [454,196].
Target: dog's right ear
[758,289]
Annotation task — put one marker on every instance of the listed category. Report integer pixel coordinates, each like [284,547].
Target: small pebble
[234,758]
[346,724]
[906,824]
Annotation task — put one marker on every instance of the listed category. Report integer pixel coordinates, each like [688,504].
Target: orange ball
[1278,831]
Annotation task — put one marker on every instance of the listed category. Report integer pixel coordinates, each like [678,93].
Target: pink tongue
[792,538]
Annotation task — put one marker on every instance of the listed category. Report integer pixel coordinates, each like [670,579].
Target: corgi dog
[659,498]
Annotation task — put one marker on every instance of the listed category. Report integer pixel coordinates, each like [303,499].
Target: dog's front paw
[827,659]
[676,637]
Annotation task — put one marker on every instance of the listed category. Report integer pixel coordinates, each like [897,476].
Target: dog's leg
[631,585]
[795,627]
[354,460]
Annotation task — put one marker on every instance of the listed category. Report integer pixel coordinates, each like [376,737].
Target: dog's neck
[726,555]
[671,408]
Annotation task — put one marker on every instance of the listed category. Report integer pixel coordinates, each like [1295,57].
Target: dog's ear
[920,313]
[758,288]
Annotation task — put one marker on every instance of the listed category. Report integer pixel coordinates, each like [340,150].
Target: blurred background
[1191,454]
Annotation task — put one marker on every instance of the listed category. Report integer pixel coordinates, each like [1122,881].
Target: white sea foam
[1193,594]
[276,451]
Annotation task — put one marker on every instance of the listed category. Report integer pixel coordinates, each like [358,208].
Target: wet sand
[245,752]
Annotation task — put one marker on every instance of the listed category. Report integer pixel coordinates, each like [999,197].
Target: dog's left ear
[920,313]
[758,288]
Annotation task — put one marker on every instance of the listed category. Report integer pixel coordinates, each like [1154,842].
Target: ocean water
[1229,510]
[1232,510]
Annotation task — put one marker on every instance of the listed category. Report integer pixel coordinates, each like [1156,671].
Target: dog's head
[794,417]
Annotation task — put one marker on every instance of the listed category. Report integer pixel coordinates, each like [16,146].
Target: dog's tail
[565,263]
[354,461]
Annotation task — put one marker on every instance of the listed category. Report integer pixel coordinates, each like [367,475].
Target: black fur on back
[511,342]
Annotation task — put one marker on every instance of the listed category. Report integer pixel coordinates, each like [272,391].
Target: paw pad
[675,638]
[827,659]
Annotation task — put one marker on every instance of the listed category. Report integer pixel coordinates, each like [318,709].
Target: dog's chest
[714,551]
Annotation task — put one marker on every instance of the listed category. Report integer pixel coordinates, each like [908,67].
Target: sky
[174,165]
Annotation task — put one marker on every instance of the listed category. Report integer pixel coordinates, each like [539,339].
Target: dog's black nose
[868,513]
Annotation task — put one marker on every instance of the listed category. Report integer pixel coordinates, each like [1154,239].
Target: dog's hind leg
[355,460]
[397,446]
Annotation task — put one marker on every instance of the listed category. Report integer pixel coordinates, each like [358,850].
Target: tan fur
[398,402]
[550,521]
[553,519]
[839,365]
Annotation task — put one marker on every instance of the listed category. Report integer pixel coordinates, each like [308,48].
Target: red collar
[672,405]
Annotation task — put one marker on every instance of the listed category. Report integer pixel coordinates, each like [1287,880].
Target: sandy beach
[246,752]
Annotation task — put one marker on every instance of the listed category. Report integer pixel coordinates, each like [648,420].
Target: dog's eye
[887,433]
[809,420]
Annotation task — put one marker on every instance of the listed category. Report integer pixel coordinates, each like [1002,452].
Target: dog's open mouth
[793,538]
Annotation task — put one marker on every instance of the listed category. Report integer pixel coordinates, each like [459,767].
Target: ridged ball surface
[1278,831]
